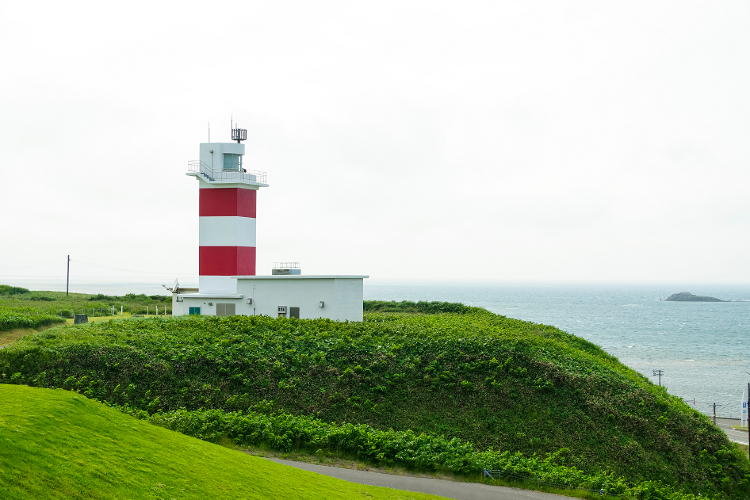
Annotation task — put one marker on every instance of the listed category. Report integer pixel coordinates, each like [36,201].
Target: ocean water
[703,348]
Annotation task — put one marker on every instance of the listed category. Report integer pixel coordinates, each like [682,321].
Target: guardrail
[198,167]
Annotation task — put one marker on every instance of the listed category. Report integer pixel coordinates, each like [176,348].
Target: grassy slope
[46,302]
[58,444]
[494,381]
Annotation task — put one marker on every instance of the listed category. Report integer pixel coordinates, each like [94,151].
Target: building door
[225,309]
[294,312]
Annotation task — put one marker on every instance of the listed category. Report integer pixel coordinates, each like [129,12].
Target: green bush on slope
[406,306]
[11,320]
[493,381]
[286,432]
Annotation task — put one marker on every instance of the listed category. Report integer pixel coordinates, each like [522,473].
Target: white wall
[217,284]
[226,231]
[177,307]
[341,296]
[215,160]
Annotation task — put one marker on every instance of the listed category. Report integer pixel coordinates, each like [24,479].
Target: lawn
[59,444]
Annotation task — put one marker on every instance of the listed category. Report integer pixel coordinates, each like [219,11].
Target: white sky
[551,141]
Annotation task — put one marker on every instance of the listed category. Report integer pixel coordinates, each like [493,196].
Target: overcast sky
[521,141]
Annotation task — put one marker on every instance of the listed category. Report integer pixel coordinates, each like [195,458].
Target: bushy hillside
[10,319]
[58,444]
[492,381]
[21,300]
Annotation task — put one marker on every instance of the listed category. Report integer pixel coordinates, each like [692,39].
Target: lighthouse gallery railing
[199,167]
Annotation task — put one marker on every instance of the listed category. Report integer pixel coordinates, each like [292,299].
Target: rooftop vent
[286,269]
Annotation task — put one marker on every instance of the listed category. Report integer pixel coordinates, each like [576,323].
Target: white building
[228,284]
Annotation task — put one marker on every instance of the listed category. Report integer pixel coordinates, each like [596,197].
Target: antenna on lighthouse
[239,134]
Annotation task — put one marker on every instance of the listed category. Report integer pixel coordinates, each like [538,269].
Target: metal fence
[199,167]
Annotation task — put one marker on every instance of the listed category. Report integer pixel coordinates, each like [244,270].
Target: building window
[195,310]
[232,162]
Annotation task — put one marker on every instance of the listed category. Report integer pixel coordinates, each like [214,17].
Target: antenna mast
[239,134]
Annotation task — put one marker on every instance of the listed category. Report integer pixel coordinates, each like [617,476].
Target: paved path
[441,487]
[735,435]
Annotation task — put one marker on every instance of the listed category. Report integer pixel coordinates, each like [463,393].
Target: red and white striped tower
[226,214]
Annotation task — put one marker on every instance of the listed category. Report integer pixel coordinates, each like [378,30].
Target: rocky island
[689,297]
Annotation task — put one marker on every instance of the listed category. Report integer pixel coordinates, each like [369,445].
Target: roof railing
[199,167]
[286,265]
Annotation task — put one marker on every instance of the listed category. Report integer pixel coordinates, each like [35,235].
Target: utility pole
[715,405]
[659,373]
[67,286]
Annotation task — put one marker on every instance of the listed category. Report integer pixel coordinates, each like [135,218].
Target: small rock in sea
[689,297]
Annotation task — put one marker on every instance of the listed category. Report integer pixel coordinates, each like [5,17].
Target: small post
[67,286]
[714,413]
[120,309]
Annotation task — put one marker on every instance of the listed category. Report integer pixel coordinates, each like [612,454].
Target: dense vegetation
[285,432]
[24,301]
[497,383]
[10,320]
[58,444]
[15,317]
[406,306]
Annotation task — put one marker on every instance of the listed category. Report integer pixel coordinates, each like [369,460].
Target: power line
[123,270]
[35,265]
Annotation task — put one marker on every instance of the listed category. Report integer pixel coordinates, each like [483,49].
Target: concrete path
[736,435]
[440,487]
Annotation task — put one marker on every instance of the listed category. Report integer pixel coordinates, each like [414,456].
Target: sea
[702,348]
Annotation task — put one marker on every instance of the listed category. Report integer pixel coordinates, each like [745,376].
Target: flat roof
[211,295]
[302,277]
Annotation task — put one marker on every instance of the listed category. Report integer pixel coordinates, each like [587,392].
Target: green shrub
[285,432]
[9,321]
[12,290]
[481,378]
[417,307]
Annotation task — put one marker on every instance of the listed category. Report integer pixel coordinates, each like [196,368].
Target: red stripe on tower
[227,261]
[227,202]
[227,245]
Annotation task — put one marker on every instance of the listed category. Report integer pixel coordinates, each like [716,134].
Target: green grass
[485,379]
[58,444]
[22,300]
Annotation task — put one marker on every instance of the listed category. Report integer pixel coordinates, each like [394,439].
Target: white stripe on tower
[226,232]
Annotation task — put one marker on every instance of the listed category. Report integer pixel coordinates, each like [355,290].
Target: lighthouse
[228,283]
[227,212]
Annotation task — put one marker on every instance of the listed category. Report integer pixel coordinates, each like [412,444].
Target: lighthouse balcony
[228,174]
